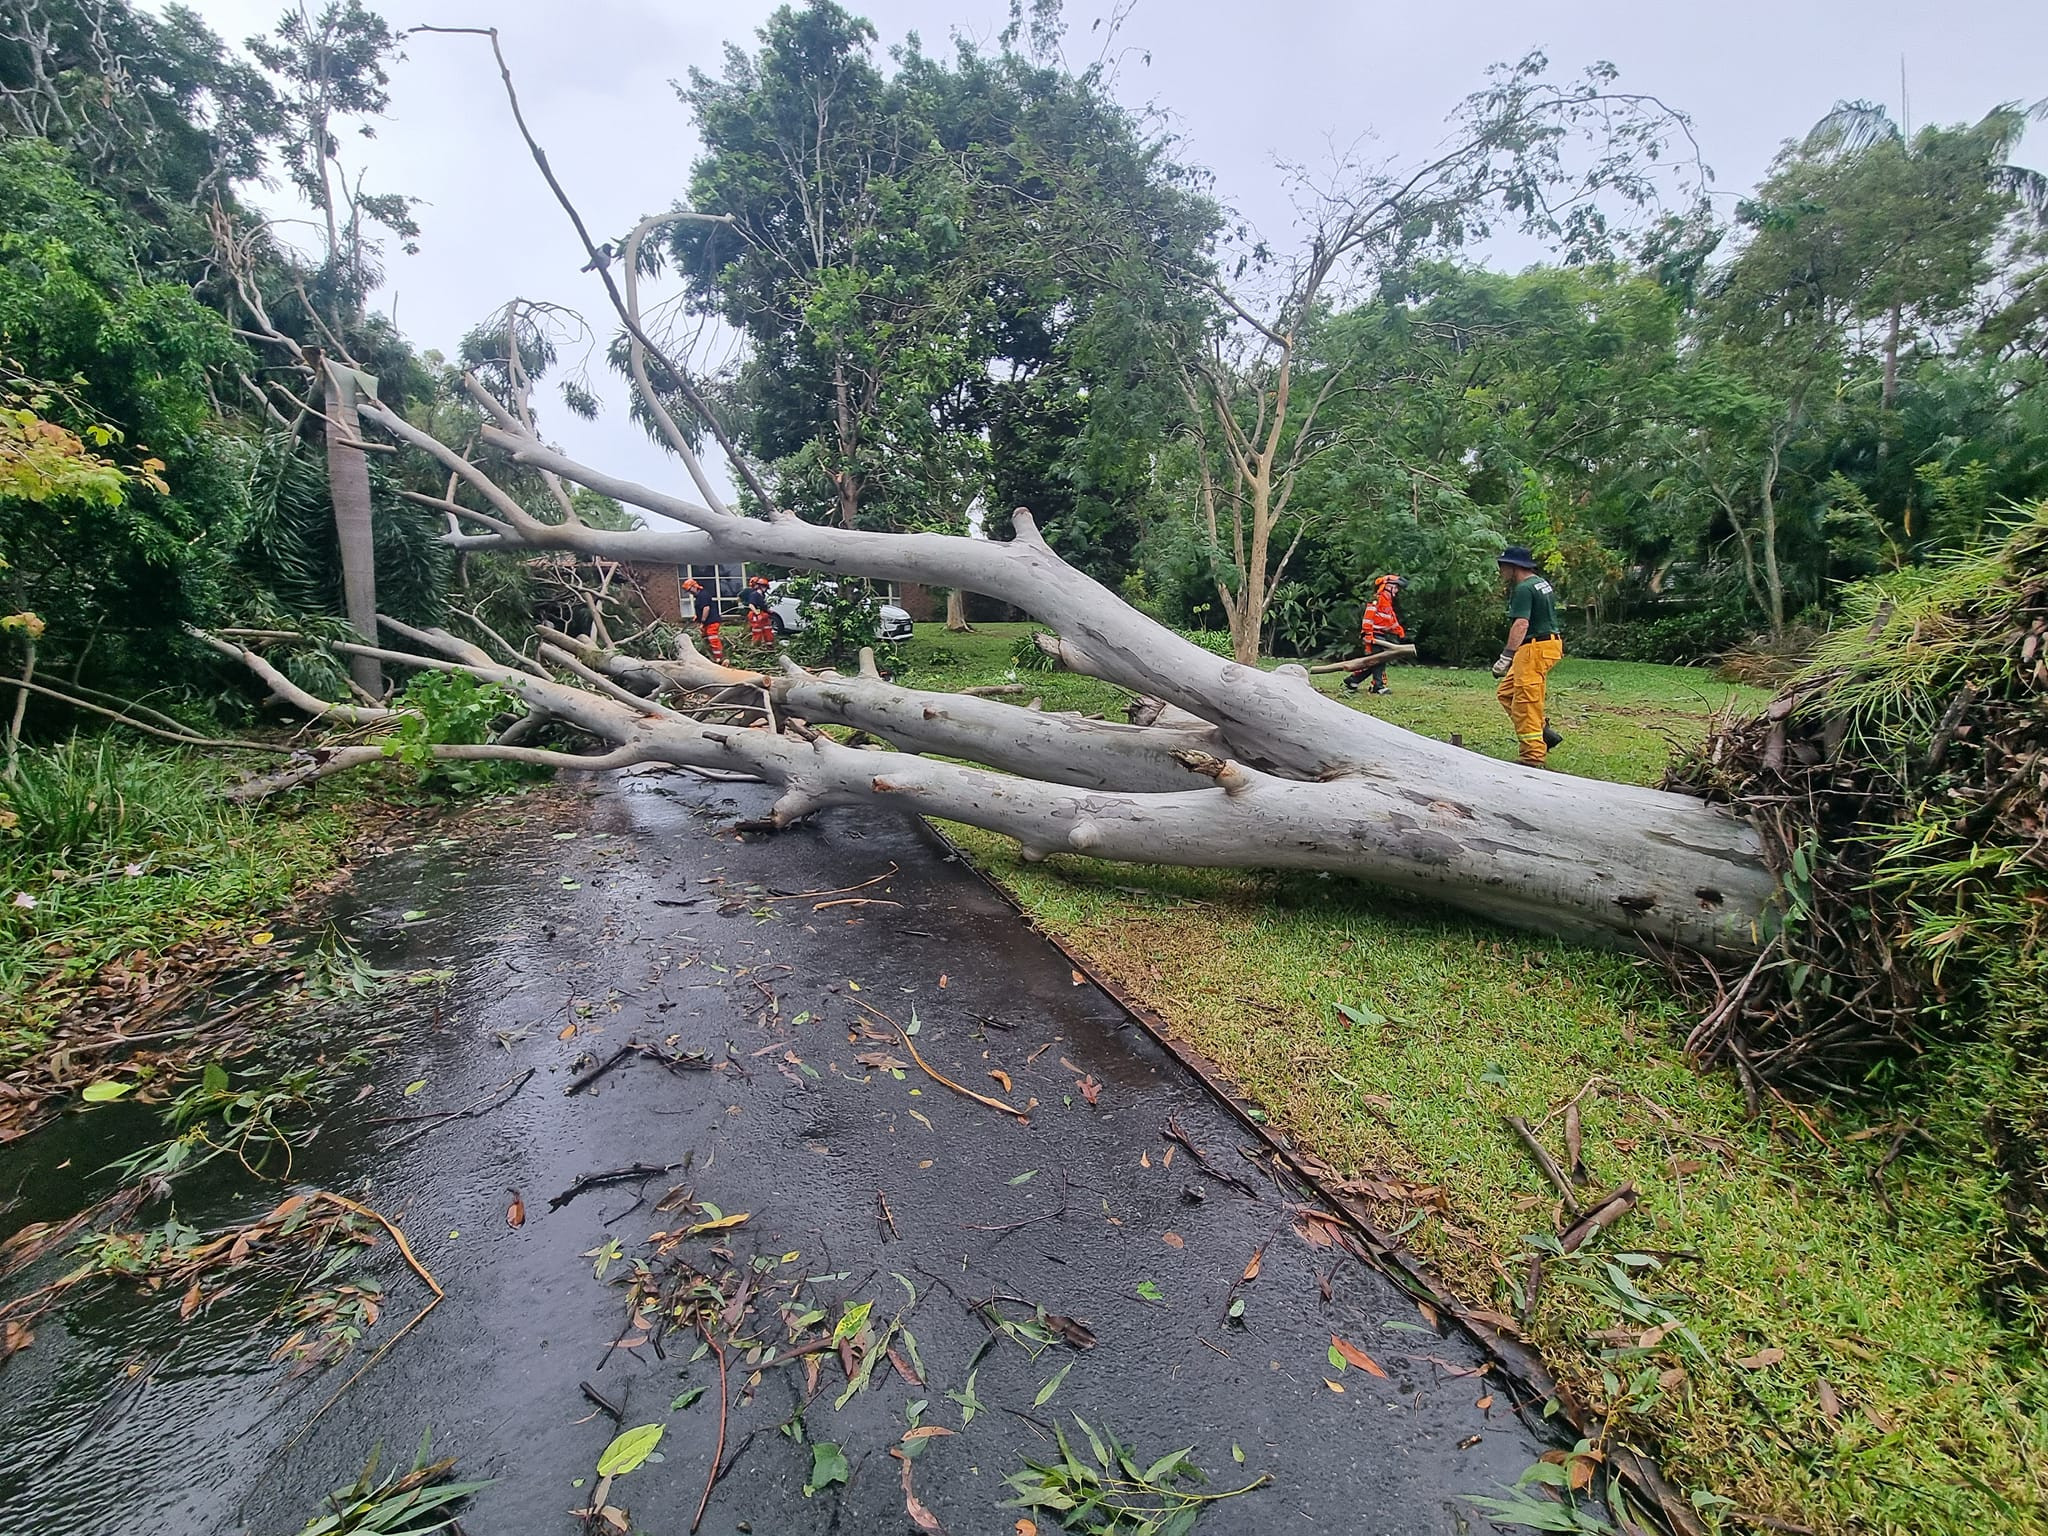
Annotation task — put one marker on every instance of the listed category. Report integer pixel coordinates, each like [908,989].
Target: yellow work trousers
[1521,694]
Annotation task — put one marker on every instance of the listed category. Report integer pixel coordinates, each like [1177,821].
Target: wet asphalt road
[653,923]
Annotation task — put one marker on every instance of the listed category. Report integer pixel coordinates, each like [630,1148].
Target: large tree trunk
[956,613]
[1269,772]
[1890,394]
[348,480]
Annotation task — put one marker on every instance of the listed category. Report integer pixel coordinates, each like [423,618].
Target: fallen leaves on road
[1000,1076]
[721,1224]
[1251,1270]
[922,1520]
[1091,1092]
[515,1213]
[1353,1355]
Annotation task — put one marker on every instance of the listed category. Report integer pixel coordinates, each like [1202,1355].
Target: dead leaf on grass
[1830,1405]
[1762,1359]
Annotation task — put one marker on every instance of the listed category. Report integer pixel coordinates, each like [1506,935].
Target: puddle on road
[625,918]
[120,1408]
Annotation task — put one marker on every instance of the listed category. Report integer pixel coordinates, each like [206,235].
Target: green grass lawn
[112,851]
[1830,1366]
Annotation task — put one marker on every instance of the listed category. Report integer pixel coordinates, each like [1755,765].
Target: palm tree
[1856,128]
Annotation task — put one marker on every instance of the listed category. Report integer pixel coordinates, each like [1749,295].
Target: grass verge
[114,854]
[1808,1343]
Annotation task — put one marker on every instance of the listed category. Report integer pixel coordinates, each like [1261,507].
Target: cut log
[1364,663]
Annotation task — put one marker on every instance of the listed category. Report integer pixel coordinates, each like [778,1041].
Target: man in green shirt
[1534,647]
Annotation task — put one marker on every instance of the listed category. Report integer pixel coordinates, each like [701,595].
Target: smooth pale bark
[1060,749]
[1342,792]
[956,613]
[348,481]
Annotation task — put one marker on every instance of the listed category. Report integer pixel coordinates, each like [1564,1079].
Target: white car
[893,623]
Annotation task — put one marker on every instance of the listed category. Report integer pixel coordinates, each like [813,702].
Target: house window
[726,583]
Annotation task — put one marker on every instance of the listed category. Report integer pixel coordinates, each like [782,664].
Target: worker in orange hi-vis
[1534,647]
[708,616]
[760,627]
[1378,625]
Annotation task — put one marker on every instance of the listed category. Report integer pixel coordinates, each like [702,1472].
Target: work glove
[1502,662]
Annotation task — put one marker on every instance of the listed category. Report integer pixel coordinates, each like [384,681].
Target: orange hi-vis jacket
[1380,619]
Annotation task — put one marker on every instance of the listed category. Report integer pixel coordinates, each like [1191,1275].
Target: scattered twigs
[1004,1228]
[603,1404]
[1173,1132]
[590,1181]
[412,1261]
[497,1098]
[718,1455]
[1547,1163]
[1023,1116]
[675,1062]
[888,1216]
[1605,1214]
[844,890]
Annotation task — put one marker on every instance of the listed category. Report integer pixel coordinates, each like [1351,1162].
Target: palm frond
[1851,128]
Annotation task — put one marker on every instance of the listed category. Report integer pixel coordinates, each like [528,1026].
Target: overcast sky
[1246,82]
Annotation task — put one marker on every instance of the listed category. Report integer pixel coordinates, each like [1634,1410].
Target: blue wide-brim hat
[1518,554]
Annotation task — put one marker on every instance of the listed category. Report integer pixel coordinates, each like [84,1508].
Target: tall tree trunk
[844,480]
[956,613]
[1891,364]
[1248,618]
[348,481]
[1774,581]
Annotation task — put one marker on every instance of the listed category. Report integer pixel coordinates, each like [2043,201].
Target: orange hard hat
[691,585]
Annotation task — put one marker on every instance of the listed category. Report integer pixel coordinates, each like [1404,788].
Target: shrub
[1674,639]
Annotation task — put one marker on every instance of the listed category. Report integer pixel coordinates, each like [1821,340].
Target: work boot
[1381,688]
[1551,736]
[1351,683]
